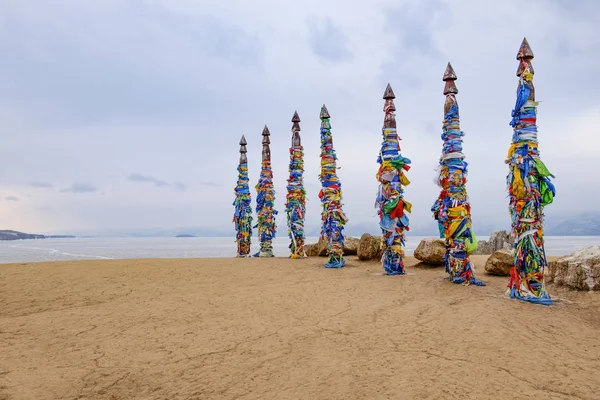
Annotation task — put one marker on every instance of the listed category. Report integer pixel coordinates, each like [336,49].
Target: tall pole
[296,195]
[392,207]
[242,217]
[452,208]
[529,189]
[332,217]
[265,200]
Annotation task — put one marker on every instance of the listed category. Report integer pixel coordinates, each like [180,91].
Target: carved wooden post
[296,194]
[243,210]
[390,202]
[452,208]
[265,199]
[529,189]
[332,217]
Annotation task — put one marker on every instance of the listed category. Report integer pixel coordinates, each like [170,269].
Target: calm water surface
[119,248]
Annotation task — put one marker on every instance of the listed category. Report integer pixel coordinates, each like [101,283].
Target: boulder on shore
[320,248]
[578,271]
[499,263]
[351,246]
[431,251]
[311,250]
[498,240]
[369,247]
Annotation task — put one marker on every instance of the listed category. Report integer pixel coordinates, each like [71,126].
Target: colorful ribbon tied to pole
[242,217]
[332,217]
[265,200]
[392,208]
[452,209]
[530,190]
[296,194]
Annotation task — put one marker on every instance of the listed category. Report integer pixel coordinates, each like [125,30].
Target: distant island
[16,235]
[186,235]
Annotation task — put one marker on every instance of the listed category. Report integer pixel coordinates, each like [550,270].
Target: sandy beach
[285,329]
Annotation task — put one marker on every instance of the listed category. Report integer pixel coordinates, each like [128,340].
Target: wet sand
[285,329]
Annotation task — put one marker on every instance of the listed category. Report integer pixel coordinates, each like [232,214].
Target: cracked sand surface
[285,329]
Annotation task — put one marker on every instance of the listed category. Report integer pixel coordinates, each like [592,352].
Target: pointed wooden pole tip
[265,131]
[389,92]
[449,74]
[450,88]
[296,117]
[524,50]
[243,141]
[324,112]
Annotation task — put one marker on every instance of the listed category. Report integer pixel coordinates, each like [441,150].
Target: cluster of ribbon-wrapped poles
[265,200]
[332,217]
[296,194]
[529,191]
[529,188]
[242,218]
[390,202]
[452,209]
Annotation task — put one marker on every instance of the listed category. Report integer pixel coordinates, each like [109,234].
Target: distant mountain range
[587,224]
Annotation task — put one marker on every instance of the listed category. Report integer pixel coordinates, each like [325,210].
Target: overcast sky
[127,113]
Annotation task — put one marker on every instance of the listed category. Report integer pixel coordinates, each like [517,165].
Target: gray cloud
[416,24]
[180,186]
[39,184]
[328,41]
[80,187]
[135,177]
[211,184]
[11,198]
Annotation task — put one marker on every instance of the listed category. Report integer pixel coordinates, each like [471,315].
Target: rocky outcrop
[369,248]
[311,250]
[499,263]
[320,248]
[351,246]
[431,251]
[578,271]
[322,245]
[498,240]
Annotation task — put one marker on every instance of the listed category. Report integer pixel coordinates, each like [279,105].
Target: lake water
[119,248]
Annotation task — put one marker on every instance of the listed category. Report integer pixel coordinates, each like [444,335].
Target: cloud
[39,184]
[172,85]
[79,187]
[135,177]
[328,41]
[180,186]
[11,198]
[211,184]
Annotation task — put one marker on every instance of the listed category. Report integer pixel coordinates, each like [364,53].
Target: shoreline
[409,260]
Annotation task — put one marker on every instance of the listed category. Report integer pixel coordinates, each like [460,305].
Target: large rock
[351,246]
[311,250]
[369,248]
[498,240]
[431,251]
[578,271]
[499,263]
[320,248]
